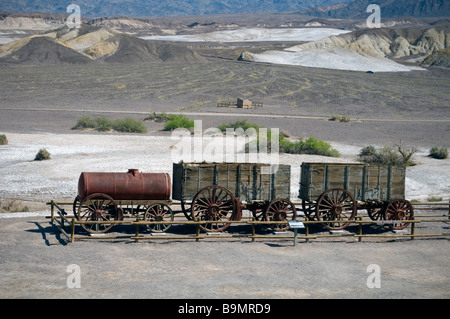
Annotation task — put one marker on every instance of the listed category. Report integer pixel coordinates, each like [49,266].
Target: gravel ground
[35,260]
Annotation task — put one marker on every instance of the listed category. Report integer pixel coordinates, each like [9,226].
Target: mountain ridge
[149,8]
[388,9]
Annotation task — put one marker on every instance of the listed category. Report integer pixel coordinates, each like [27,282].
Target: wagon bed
[336,191]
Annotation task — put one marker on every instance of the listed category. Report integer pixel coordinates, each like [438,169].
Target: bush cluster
[387,155]
[103,124]
[42,155]
[173,121]
[310,145]
[438,152]
[3,140]
[340,118]
[177,121]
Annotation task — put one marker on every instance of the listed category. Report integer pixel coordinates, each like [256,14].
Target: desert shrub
[3,140]
[340,118]
[42,155]
[238,124]
[83,123]
[387,155]
[178,121]
[309,146]
[162,117]
[13,206]
[300,146]
[435,199]
[129,125]
[102,124]
[438,152]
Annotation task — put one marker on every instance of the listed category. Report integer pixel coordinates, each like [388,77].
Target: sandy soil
[71,154]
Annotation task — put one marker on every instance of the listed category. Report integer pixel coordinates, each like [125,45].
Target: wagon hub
[214,210]
[98,213]
[336,210]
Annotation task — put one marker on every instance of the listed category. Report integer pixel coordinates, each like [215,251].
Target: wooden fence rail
[62,220]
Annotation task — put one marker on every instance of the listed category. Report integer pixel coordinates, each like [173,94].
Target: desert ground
[40,105]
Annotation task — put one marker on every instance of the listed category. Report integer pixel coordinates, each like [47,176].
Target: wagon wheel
[280,209]
[186,209]
[97,207]
[215,204]
[375,213]
[159,213]
[76,205]
[338,205]
[399,209]
[309,209]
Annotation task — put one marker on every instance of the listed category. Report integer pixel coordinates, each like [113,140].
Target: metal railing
[62,220]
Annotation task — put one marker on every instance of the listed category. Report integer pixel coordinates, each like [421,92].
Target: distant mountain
[388,9]
[89,44]
[148,8]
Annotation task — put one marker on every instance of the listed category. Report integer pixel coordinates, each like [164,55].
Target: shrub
[308,146]
[162,117]
[387,155]
[42,155]
[438,152]
[238,124]
[129,125]
[83,123]
[3,140]
[102,124]
[178,121]
[340,118]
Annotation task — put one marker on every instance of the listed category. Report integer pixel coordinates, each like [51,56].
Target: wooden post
[253,231]
[307,232]
[360,231]
[72,235]
[197,232]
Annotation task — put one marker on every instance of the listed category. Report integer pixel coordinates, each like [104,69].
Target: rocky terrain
[87,44]
[364,50]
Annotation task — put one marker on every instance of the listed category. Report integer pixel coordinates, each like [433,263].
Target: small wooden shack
[247,104]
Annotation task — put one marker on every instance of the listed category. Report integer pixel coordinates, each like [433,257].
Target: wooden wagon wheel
[186,209]
[309,209]
[336,205]
[75,206]
[97,207]
[280,209]
[375,213]
[399,209]
[159,213]
[215,204]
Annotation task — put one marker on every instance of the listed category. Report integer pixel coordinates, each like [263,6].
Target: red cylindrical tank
[132,185]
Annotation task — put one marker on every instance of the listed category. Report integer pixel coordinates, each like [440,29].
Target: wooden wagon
[218,192]
[335,192]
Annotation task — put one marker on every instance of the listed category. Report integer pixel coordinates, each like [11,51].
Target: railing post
[307,232]
[197,232]
[253,230]
[360,231]
[72,235]
[52,209]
